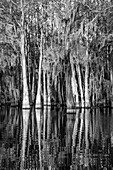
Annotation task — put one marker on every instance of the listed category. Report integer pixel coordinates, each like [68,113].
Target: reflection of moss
[7,158]
[4,163]
[7,150]
[9,142]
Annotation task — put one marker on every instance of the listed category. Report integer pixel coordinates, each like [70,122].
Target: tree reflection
[38,120]
[54,139]
[91,139]
[25,116]
[10,133]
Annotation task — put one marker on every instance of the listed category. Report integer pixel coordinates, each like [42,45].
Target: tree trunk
[111,78]
[74,83]
[44,88]
[86,86]
[69,93]
[48,90]
[25,87]
[80,85]
[38,98]
[33,88]
[86,70]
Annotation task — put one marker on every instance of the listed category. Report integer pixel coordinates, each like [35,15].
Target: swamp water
[56,139]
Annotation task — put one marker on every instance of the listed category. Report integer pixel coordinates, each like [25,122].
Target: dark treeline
[56,52]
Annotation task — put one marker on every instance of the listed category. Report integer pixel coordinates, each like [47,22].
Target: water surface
[56,139]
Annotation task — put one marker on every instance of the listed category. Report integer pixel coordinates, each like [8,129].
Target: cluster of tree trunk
[63,51]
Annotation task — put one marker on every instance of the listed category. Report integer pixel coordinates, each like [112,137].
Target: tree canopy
[67,45]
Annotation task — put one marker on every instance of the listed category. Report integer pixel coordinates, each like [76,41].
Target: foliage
[76,30]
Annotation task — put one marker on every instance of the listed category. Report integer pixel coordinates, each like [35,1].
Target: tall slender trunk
[48,90]
[86,86]
[33,85]
[59,89]
[111,78]
[93,94]
[44,88]
[86,70]
[74,82]
[91,88]
[25,87]
[80,84]
[38,98]
[111,75]
[69,93]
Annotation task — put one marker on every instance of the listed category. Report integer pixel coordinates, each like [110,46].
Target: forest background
[56,52]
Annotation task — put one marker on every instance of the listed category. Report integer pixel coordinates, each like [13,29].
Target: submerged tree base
[25,105]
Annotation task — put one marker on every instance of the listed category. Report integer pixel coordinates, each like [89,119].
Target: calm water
[56,139]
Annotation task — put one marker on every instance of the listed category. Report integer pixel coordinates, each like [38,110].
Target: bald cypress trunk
[69,93]
[74,82]
[48,90]
[44,88]
[80,84]
[111,79]
[25,102]
[86,86]
[38,97]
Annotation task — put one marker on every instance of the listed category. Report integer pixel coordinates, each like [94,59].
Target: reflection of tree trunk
[81,126]
[48,123]
[38,120]
[74,135]
[44,123]
[86,128]
[75,129]
[50,168]
[69,129]
[91,128]
[24,137]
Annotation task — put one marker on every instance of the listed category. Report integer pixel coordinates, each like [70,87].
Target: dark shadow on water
[56,138]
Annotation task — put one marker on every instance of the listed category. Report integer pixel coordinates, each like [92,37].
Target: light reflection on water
[52,139]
